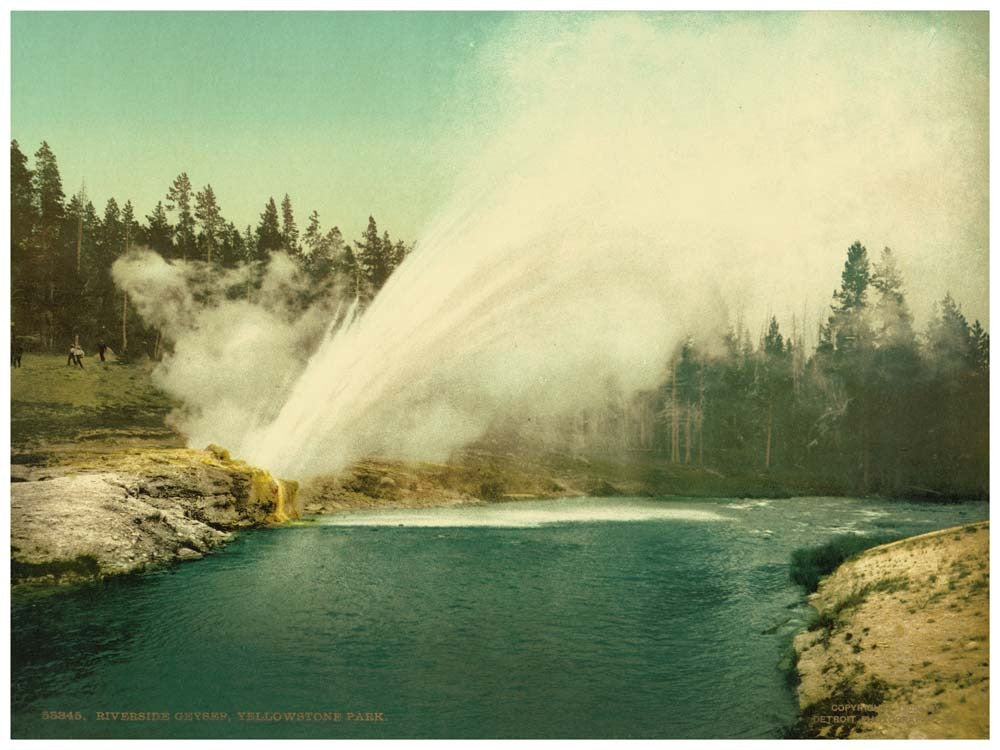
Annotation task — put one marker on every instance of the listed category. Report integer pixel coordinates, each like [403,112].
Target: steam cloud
[233,360]
[630,176]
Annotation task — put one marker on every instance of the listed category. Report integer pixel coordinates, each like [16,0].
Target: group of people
[76,354]
[74,357]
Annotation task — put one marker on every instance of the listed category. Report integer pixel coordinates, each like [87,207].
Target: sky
[787,136]
[343,111]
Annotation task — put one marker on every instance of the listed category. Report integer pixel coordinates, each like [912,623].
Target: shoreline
[900,645]
[81,514]
[128,513]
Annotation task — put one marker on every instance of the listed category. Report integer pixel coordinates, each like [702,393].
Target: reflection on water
[569,618]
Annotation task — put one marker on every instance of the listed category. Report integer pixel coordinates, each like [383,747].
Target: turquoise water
[567,618]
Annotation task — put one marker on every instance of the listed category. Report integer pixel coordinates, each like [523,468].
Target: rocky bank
[125,512]
[900,648]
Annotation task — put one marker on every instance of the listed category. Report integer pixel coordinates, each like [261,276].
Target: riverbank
[900,648]
[125,512]
[495,473]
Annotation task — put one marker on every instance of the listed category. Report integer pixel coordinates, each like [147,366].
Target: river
[575,618]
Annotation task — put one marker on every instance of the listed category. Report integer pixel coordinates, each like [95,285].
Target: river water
[562,618]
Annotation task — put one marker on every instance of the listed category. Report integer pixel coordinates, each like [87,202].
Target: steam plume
[630,177]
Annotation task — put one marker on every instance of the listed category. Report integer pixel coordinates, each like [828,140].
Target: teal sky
[346,112]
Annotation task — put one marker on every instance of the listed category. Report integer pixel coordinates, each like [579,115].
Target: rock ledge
[113,516]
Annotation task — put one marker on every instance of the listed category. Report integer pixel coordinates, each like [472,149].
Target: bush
[809,564]
[492,490]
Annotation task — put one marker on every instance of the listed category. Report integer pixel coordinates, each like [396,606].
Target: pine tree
[854,279]
[209,215]
[846,360]
[179,200]
[22,228]
[848,325]
[253,253]
[129,225]
[158,234]
[22,208]
[372,256]
[232,251]
[47,187]
[891,318]
[101,291]
[77,255]
[949,337]
[399,253]
[775,379]
[249,245]
[958,395]
[350,269]
[890,382]
[50,212]
[268,232]
[289,231]
[321,251]
[313,235]
[130,231]
[385,246]
[113,235]
[333,253]
[980,348]
[688,376]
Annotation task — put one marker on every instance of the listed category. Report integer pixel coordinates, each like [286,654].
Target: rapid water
[567,618]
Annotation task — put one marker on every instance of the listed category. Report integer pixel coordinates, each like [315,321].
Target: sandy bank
[901,645]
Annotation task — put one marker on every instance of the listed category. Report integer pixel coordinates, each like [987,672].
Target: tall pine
[179,201]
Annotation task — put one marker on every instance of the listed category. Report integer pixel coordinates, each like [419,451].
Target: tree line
[62,251]
[874,407]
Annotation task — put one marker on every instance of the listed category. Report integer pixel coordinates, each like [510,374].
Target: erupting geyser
[628,177]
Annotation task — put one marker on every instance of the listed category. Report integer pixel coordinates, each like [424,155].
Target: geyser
[625,178]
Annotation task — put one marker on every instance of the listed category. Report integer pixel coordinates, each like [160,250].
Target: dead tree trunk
[770,429]
[124,316]
[79,240]
[687,435]
[675,453]
[701,416]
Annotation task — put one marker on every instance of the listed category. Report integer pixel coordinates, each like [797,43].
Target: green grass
[104,402]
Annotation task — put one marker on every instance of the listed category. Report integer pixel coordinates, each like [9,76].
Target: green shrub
[809,564]
[491,490]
